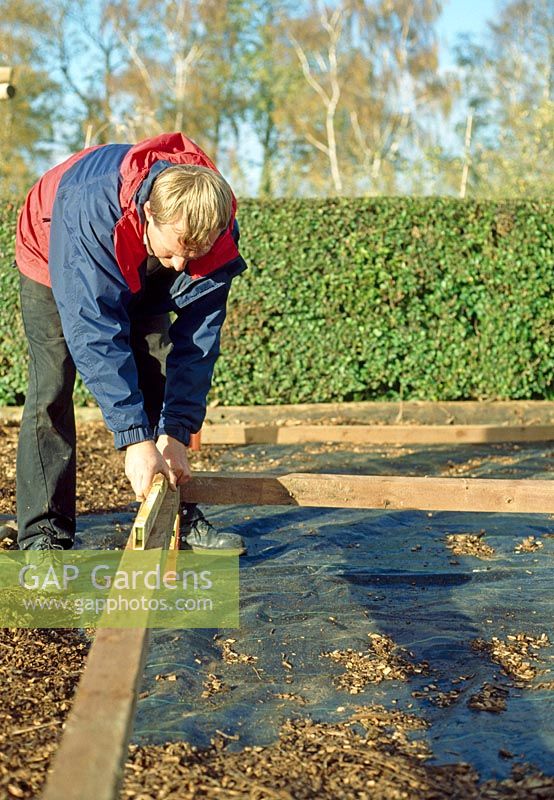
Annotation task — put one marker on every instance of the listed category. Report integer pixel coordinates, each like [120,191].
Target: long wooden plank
[374,491]
[90,759]
[375,434]
[422,412]
[89,762]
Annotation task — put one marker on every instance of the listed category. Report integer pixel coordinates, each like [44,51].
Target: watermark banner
[118,589]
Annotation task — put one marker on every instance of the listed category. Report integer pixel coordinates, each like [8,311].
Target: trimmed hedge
[372,299]
[391,298]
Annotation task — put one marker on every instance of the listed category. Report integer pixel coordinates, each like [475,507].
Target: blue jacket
[97,290]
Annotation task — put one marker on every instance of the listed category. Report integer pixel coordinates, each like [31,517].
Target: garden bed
[380,654]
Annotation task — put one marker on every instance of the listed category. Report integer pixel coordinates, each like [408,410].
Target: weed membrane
[446,616]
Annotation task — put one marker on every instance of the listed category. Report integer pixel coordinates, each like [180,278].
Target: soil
[375,753]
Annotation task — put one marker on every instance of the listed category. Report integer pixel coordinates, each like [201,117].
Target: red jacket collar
[173,147]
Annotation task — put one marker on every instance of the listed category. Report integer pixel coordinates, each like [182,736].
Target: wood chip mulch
[473,464]
[101,485]
[370,756]
[514,654]
[489,698]
[213,685]
[469,544]
[442,699]
[292,697]
[39,670]
[529,545]
[230,655]
[382,661]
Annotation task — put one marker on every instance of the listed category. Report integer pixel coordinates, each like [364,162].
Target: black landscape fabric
[446,615]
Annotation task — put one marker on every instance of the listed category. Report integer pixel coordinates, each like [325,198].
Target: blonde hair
[196,200]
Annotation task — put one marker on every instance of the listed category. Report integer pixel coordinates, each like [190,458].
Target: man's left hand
[175,453]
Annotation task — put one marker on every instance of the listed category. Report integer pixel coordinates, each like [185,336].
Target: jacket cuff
[123,439]
[174,429]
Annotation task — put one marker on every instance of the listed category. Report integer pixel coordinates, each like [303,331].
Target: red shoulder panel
[33,224]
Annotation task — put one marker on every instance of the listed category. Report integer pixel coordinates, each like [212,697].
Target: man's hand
[143,461]
[174,453]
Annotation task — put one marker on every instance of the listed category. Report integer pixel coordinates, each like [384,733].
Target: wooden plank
[90,759]
[375,434]
[412,412]
[165,526]
[422,412]
[374,491]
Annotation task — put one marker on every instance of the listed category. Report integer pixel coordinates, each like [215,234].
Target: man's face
[162,241]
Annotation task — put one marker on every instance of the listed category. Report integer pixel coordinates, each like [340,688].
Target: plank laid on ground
[90,759]
[374,491]
[412,412]
[421,412]
[375,434]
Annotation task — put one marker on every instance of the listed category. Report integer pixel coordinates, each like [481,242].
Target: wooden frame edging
[233,434]
[373,491]
[444,413]
[89,762]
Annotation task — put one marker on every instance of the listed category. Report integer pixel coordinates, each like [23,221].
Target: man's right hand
[143,461]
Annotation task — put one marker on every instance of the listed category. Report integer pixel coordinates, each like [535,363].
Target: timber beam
[239,434]
[373,491]
[90,760]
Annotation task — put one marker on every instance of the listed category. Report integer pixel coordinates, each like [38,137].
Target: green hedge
[371,299]
[13,361]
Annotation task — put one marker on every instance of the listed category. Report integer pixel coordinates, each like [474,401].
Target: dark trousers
[46,453]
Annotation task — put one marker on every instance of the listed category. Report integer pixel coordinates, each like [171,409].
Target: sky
[462,16]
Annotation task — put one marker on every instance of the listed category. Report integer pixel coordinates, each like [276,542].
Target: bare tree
[372,66]
[467,155]
[87,52]
[394,92]
[180,61]
[509,87]
[327,70]
[143,113]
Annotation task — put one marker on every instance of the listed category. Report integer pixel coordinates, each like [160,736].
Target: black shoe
[201,536]
[45,543]
[49,541]
[48,564]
